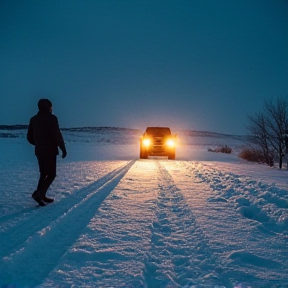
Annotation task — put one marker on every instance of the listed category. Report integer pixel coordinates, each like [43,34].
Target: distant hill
[13,127]
[191,133]
[194,133]
[97,129]
[73,129]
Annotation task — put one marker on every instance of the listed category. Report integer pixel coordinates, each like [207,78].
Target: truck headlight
[170,143]
[146,142]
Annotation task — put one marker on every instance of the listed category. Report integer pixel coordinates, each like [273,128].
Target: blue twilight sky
[188,64]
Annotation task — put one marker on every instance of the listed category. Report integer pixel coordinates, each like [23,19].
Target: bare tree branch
[268,129]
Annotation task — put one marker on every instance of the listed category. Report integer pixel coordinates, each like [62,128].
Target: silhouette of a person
[44,133]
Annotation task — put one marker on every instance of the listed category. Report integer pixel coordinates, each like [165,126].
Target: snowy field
[204,220]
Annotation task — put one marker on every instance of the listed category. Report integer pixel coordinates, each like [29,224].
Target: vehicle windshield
[158,131]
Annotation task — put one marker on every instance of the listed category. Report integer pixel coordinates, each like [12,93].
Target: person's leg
[50,178]
[47,174]
[41,179]
[36,195]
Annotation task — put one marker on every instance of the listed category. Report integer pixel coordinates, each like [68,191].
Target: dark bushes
[257,155]
[221,149]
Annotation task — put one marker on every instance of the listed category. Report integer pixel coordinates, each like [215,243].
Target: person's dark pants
[47,169]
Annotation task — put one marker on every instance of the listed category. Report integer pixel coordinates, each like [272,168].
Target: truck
[158,141]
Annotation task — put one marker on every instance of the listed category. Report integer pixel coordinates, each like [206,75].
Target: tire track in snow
[48,243]
[13,236]
[180,254]
[246,249]
[112,249]
[17,203]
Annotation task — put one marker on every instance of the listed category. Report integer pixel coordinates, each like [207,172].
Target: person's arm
[58,138]
[30,134]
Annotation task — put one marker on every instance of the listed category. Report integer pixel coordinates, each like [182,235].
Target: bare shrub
[256,155]
[221,149]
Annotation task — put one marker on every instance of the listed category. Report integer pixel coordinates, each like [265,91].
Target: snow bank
[204,220]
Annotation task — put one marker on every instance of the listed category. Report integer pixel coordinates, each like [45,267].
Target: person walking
[44,133]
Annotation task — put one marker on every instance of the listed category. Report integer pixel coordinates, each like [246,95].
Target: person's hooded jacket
[44,131]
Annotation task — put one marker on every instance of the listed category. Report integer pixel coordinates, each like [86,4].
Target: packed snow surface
[203,220]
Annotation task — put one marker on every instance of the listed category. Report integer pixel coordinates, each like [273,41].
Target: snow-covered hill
[103,136]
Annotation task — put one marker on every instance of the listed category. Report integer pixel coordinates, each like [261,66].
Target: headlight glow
[170,143]
[146,142]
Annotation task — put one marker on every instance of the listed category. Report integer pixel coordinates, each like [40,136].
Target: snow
[203,220]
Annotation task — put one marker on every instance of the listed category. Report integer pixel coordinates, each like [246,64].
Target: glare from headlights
[146,142]
[170,143]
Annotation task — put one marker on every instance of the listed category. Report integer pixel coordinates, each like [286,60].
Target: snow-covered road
[146,223]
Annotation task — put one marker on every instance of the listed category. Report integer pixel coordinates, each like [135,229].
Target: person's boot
[48,200]
[34,193]
[37,198]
